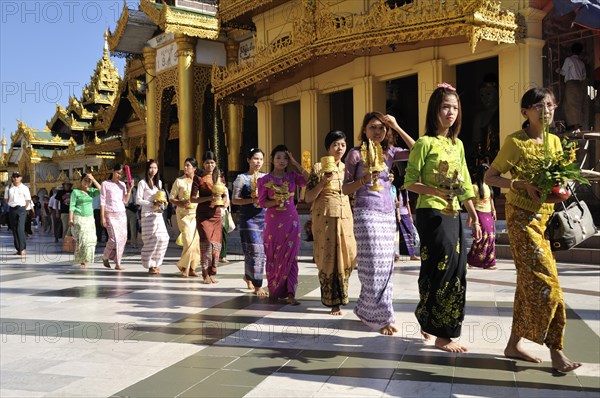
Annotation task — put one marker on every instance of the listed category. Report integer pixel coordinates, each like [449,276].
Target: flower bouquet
[551,172]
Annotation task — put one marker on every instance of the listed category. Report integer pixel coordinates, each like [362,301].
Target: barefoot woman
[252,221]
[332,226]
[375,222]
[437,156]
[539,312]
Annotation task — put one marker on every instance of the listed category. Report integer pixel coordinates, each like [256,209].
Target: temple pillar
[235,116]
[185,109]
[270,128]
[519,67]
[314,123]
[368,96]
[151,111]
[430,74]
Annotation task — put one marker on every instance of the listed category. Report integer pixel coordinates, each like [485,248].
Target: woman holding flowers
[438,172]
[539,309]
[282,229]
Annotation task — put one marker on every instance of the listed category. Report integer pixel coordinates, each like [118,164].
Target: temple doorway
[477,85]
[341,117]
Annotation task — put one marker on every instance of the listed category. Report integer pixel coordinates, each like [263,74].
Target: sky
[48,52]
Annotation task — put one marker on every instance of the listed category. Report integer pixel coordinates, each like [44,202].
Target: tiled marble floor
[100,333]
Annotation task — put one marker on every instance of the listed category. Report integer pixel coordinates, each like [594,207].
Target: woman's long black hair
[155,180]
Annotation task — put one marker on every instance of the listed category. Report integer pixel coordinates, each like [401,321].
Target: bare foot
[184,272]
[426,336]
[121,268]
[82,265]
[561,363]
[335,310]
[207,280]
[106,263]
[291,300]
[516,351]
[213,280]
[249,283]
[448,345]
[260,292]
[388,330]
[415,258]
[193,273]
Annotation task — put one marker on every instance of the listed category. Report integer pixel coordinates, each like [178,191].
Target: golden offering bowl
[160,197]
[218,189]
[450,185]
[186,196]
[328,166]
[281,193]
[159,201]
[254,187]
[374,162]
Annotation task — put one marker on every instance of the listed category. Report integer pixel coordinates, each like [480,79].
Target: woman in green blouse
[81,219]
[437,171]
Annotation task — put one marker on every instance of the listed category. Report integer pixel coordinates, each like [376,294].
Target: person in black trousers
[18,198]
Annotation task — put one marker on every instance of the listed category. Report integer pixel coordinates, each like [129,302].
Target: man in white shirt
[18,198]
[573,70]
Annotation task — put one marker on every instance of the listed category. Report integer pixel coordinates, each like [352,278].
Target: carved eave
[240,12]
[138,107]
[77,108]
[59,114]
[414,24]
[132,33]
[106,146]
[176,20]
[107,114]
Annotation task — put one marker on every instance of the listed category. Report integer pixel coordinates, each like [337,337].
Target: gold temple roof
[178,20]
[135,27]
[99,93]
[319,32]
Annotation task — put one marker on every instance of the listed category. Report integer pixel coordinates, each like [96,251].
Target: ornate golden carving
[320,32]
[115,38]
[172,20]
[138,108]
[231,9]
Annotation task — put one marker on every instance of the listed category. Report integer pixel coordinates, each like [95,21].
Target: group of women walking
[362,237]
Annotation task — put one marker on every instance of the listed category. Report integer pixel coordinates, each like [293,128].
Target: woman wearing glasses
[539,310]
[81,219]
[375,221]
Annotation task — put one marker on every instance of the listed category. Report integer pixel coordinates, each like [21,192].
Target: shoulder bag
[570,226]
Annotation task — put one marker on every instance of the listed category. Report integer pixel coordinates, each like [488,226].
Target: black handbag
[570,226]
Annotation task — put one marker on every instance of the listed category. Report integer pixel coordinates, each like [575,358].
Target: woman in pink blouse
[114,194]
